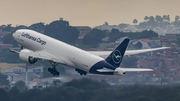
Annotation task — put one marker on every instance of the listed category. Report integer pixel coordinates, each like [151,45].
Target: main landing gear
[81,72]
[53,70]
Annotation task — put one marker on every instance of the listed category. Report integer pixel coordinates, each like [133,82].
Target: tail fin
[116,56]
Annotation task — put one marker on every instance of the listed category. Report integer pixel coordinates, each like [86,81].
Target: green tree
[8,39]
[85,84]
[138,45]
[94,37]
[166,18]
[176,18]
[3,95]
[14,93]
[3,80]
[62,31]
[143,98]
[122,26]
[159,18]
[146,18]
[115,34]
[151,19]
[38,26]
[20,85]
[8,28]
[9,57]
[135,21]
[148,34]
[57,83]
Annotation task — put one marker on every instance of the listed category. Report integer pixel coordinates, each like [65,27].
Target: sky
[84,12]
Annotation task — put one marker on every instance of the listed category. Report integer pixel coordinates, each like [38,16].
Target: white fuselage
[74,57]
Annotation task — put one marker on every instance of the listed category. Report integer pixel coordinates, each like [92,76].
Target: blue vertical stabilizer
[116,56]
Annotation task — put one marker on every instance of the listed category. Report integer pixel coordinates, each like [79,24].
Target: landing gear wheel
[57,73]
[53,70]
[50,70]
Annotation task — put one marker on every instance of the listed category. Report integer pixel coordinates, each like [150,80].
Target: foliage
[61,30]
[138,45]
[13,93]
[3,80]
[8,39]
[90,90]
[57,83]
[38,26]
[135,21]
[116,34]
[86,84]
[176,18]
[94,37]
[9,57]
[158,21]
[122,26]
[146,18]
[3,95]
[22,27]
[20,85]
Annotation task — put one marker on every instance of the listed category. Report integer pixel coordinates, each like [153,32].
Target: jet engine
[23,55]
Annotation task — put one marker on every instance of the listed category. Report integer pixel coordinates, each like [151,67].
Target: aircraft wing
[127,52]
[46,56]
[42,55]
[132,52]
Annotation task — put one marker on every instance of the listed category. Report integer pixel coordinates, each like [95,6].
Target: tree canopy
[90,90]
[3,80]
[116,34]
[8,39]
[62,31]
[94,37]
[20,85]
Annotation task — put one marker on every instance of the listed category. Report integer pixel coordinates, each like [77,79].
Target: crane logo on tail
[116,56]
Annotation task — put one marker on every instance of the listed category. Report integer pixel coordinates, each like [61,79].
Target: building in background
[19,73]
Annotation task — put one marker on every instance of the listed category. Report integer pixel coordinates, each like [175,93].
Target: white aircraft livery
[36,46]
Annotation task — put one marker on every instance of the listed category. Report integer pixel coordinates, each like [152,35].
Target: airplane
[36,46]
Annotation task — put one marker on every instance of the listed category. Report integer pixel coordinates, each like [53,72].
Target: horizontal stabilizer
[135,69]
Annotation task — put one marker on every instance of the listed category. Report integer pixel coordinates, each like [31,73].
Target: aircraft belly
[85,61]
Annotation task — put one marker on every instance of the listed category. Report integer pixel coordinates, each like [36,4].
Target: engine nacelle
[23,55]
[119,71]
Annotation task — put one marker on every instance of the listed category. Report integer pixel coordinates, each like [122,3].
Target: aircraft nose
[14,34]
